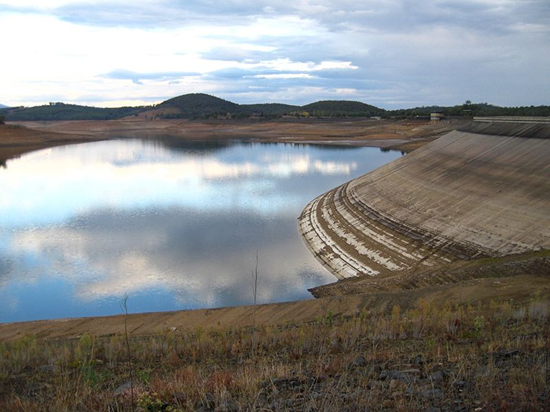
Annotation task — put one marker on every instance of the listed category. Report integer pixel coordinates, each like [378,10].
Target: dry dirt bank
[16,140]
[21,137]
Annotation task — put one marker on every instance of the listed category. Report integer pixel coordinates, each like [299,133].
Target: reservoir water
[171,224]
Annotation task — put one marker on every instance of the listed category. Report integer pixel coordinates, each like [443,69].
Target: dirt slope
[16,140]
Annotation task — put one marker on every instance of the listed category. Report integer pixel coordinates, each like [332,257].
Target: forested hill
[342,108]
[62,111]
[198,105]
[472,109]
[189,106]
[201,106]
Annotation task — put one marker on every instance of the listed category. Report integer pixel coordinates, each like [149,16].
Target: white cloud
[284,76]
[36,4]
[61,49]
[55,4]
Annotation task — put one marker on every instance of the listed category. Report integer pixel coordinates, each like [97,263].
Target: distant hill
[342,108]
[201,106]
[189,106]
[62,111]
[197,105]
[2,106]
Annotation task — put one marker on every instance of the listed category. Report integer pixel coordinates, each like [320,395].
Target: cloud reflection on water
[84,225]
[128,178]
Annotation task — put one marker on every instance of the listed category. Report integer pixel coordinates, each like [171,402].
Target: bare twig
[255,293]
[124,307]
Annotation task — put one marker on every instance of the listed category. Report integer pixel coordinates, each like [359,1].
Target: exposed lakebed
[171,224]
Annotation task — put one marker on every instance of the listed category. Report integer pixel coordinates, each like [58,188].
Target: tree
[1,119]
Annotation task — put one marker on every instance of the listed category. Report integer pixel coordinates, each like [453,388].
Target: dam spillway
[480,191]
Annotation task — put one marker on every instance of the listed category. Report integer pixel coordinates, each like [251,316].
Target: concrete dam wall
[480,191]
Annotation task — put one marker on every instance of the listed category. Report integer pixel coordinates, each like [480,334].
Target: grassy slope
[491,357]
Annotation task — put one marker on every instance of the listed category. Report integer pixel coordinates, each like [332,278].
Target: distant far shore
[17,138]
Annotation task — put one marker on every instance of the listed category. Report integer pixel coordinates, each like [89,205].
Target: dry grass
[486,358]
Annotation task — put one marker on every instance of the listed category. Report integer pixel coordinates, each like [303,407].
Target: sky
[389,53]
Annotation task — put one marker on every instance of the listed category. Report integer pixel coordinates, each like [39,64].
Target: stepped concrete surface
[482,190]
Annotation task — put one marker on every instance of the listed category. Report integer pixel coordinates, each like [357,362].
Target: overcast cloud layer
[390,53]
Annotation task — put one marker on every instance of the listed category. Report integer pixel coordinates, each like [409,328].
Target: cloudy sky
[390,53]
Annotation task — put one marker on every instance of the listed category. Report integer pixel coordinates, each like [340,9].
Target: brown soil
[16,140]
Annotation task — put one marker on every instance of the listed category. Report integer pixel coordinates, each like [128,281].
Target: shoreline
[474,283]
[16,141]
[21,138]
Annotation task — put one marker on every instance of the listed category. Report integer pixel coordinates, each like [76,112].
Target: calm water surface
[173,225]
